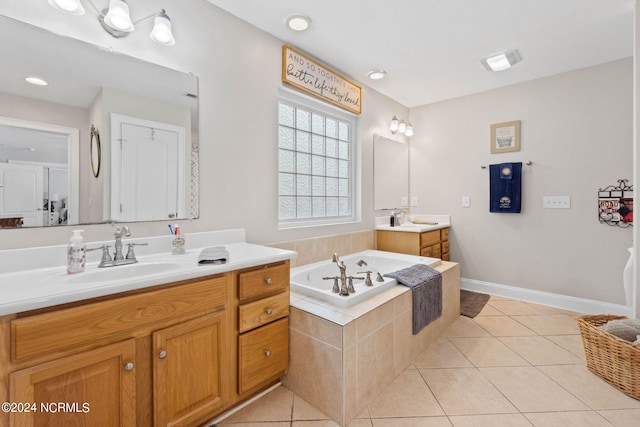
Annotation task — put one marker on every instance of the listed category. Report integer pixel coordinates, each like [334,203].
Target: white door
[21,193]
[151,172]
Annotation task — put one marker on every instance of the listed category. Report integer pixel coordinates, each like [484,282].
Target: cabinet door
[190,370]
[94,388]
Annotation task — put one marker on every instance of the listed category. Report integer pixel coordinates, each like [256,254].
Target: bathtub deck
[341,358]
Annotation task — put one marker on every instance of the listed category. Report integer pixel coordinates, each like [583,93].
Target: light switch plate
[556,202]
[466,201]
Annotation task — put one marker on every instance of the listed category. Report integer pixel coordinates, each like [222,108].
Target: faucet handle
[105,254]
[130,253]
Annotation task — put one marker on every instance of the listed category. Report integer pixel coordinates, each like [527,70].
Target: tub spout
[344,290]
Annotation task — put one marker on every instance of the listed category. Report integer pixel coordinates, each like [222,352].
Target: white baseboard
[564,302]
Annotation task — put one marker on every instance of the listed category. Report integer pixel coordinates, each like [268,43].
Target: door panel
[21,190]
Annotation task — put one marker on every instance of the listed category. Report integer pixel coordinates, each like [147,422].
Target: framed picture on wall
[505,137]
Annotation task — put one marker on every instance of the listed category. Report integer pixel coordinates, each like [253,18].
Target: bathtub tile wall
[322,248]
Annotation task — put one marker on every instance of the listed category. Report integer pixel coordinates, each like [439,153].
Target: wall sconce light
[400,126]
[116,19]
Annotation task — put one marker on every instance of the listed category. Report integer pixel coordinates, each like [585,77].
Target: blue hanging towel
[505,187]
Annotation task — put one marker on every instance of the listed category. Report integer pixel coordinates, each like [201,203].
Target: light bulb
[161,32]
[394,125]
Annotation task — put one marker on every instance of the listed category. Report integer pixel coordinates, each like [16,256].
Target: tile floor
[516,364]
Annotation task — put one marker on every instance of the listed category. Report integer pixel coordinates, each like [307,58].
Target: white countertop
[28,281]
[443,221]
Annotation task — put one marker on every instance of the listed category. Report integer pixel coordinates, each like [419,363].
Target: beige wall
[577,131]
[239,71]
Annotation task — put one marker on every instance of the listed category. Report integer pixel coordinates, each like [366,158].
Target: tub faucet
[344,290]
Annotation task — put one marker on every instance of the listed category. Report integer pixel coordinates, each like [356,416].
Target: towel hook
[528,163]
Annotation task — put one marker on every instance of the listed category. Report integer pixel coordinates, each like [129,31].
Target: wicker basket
[613,359]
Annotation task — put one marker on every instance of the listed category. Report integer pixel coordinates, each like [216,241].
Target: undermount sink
[122,272]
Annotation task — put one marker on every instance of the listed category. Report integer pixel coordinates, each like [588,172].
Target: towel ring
[528,163]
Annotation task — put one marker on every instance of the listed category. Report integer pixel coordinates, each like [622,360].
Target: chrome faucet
[398,217]
[120,232]
[118,256]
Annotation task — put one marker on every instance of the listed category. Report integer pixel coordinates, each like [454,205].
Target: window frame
[314,106]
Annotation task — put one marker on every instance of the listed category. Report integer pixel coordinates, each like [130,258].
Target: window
[315,165]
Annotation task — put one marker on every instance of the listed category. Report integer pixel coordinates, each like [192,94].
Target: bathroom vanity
[178,352]
[429,240]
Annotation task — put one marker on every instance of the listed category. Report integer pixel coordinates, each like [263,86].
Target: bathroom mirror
[87,85]
[390,173]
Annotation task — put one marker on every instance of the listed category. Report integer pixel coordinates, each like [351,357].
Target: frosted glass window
[286,115]
[285,139]
[314,164]
[303,120]
[302,141]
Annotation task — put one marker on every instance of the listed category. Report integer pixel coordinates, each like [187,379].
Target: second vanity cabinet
[175,355]
[263,326]
[434,243]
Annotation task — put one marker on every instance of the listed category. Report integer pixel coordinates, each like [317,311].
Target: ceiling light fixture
[298,22]
[501,61]
[400,126]
[376,74]
[36,81]
[116,19]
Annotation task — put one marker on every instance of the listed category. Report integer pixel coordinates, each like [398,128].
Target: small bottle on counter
[76,254]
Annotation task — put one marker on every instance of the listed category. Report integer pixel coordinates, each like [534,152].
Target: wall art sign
[505,137]
[615,204]
[312,77]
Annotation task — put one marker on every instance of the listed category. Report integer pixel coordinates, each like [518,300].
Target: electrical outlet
[414,201]
[466,201]
[404,202]
[556,202]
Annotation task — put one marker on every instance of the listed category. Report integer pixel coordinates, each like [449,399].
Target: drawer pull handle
[128,367]
[162,354]
[267,353]
[268,311]
[268,281]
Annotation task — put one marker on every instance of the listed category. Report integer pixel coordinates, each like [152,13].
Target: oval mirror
[96,154]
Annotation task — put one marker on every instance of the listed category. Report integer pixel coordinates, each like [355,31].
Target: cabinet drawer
[263,311]
[265,281]
[263,354]
[432,251]
[445,247]
[429,238]
[444,234]
[114,319]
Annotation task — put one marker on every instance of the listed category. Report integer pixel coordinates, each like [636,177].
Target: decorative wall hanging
[505,137]
[310,76]
[615,204]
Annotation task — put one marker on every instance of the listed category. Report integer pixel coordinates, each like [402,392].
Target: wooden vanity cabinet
[142,358]
[172,355]
[433,243]
[263,327]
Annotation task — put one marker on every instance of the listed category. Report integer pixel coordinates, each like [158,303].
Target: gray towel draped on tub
[426,290]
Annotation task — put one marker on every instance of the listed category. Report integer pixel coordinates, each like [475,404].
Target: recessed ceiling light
[298,22]
[36,81]
[501,61]
[376,74]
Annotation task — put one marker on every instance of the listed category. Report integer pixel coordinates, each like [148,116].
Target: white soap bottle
[76,253]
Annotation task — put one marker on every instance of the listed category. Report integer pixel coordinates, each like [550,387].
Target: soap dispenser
[76,253]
